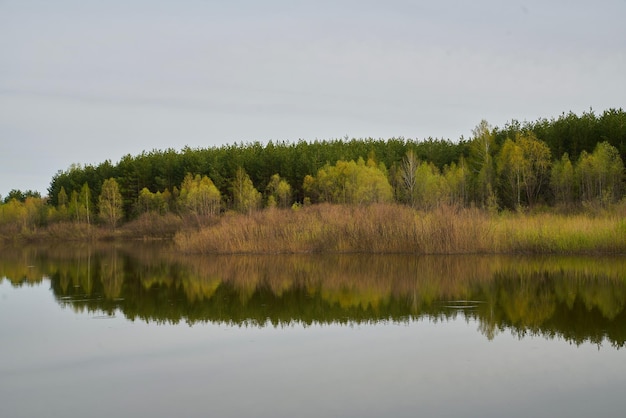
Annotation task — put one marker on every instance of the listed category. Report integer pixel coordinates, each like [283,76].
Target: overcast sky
[83,81]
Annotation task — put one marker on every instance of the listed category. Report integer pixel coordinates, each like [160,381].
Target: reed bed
[553,233]
[57,232]
[389,228]
[376,228]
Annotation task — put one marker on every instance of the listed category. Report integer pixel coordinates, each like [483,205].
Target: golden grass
[378,228]
[148,226]
[392,228]
[57,232]
[551,233]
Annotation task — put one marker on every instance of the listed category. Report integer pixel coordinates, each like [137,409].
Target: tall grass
[391,228]
[381,228]
[57,232]
[551,233]
[377,228]
[148,226]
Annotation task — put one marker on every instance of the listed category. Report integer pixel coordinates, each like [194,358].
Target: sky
[84,81]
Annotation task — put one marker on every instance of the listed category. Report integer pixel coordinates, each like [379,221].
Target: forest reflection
[576,298]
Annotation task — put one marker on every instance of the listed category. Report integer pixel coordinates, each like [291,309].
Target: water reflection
[578,299]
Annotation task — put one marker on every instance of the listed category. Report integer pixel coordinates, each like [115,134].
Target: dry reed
[392,228]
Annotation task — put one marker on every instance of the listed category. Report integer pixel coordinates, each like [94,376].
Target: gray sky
[82,81]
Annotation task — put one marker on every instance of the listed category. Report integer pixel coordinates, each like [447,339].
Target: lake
[119,330]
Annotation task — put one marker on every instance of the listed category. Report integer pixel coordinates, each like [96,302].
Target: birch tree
[200,196]
[482,149]
[245,196]
[110,203]
[279,192]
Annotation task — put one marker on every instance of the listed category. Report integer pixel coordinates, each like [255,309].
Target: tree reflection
[579,299]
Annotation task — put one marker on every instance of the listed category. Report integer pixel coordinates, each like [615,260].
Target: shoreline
[370,229]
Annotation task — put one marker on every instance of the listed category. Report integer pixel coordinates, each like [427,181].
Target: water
[144,332]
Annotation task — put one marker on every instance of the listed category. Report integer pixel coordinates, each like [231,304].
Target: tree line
[571,161]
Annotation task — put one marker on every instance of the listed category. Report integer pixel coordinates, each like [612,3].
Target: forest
[570,164]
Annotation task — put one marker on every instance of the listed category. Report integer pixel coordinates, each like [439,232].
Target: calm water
[115,331]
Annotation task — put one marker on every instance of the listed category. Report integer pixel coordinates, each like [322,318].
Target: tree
[199,195]
[279,192]
[245,197]
[509,168]
[79,206]
[407,173]
[523,165]
[26,215]
[36,212]
[456,176]
[21,196]
[62,199]
[562,180]
[85,197]
[61,212]
[372,184]
[13,212]
[350,182]
[535,165]
[600,175]
[481,149]
[145,201]
[110,203]
[609,172]
[431,188]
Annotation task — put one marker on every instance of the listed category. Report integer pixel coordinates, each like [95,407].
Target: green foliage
[482,148]
[457,178]
[600,175]
[350,182]
[573,134]
[523,166]
[62,198]
[79,207]
[423,186]
[562,181]
[499,167]
[408,179]
[199,195]
[279,192]
[23,217]
[245,197]
[158,202]
[431,187]
[12,212]
[160,170]
[535,165]
[509,170]
[21,196]
[110,203]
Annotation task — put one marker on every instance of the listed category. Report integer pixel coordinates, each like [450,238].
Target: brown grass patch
[392,228]
[378,228]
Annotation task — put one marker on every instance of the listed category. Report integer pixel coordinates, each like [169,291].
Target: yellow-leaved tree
[110,203]
[245,196]
[350,182]
[279,192]
[199,195]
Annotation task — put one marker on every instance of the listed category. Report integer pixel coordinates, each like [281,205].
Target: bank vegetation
[394,228]
[546,186]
